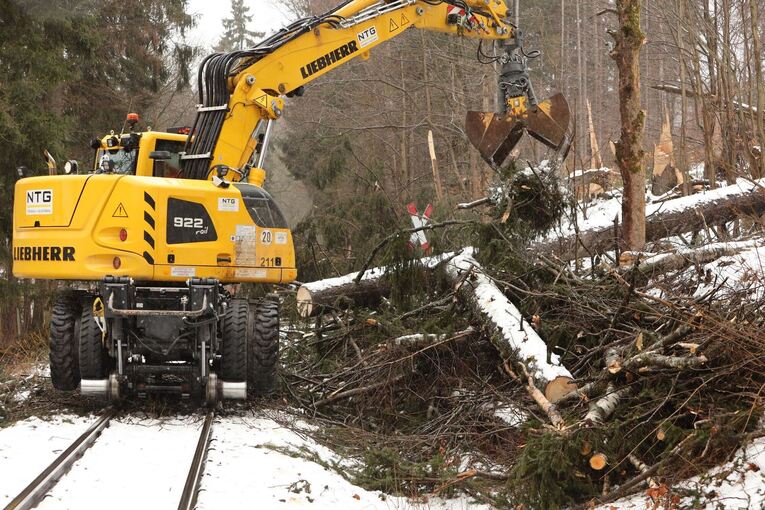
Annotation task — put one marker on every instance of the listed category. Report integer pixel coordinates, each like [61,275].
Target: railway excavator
[154,235]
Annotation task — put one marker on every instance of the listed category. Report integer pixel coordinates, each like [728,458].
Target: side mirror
[161,155]
[21,172]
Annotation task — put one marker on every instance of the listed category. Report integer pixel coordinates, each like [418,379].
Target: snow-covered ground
[738,485]
[253,462]
[744,271]
[142,462]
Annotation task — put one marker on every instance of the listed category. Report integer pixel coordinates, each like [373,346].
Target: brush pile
[508,374]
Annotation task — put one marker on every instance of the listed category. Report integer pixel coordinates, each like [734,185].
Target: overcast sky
[266,17]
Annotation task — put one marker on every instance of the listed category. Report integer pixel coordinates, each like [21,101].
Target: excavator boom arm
[241,92]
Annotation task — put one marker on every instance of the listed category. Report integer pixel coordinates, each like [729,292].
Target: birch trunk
[513,337]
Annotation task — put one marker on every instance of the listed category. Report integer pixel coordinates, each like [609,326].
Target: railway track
[191,489]
[36,491]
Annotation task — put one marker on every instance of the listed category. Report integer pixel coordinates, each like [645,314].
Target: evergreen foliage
[71,69]
[236,35]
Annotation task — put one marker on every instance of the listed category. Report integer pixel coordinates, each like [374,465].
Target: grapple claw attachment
[495,135]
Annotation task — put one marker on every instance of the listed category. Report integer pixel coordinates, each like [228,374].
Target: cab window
[262,208]
[169,167]
[118,161]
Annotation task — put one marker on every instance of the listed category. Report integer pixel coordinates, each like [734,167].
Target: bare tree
[628,40]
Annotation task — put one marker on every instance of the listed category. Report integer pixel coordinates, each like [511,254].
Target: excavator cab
[147,154]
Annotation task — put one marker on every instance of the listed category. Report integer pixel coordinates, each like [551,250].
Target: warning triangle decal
[404,20]
[121,212]
[262,101]
[393,25]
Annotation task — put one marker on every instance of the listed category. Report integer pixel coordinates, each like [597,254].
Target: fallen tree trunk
[666,262]
[420,340]
[664,220]
[313,298]
[513,337]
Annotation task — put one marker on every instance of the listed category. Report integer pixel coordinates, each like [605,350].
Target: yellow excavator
[153,233]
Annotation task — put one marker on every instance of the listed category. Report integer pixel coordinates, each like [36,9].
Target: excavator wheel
[264,348]
[233,362]
[64,355]
[94,358]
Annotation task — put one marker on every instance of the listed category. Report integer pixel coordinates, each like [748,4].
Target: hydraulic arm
[241,93]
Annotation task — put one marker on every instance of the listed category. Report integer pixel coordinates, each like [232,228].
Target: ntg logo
[368,36]
[39,202]
[40,197]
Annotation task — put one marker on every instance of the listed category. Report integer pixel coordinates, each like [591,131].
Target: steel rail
[31,496]
[191,489]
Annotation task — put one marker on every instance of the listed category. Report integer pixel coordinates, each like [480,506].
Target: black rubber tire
[94,358]
[234,339]
[264,349]
[64,358]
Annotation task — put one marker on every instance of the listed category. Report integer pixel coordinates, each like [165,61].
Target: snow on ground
[744,271]
[140,463]
[29,446]
[737,485]
[250,466]
[511,414]
[145,462]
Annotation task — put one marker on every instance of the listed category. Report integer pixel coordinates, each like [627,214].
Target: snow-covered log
[515,339]
[667,219]
[314,297]
[666,262]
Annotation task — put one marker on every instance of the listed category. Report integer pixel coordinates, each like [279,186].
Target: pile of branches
[431,396]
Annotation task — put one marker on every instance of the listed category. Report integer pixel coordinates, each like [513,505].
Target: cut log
[642,469]
[313,298]
[599,461]
[666,220]
[655,360]
[513,337]
[605,407]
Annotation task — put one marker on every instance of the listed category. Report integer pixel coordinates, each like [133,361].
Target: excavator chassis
[135,338]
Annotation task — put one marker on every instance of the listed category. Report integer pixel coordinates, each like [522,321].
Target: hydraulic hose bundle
[214,94]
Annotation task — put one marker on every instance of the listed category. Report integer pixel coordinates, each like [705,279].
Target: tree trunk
[314,298]
[513,337]
[629,150]
[343,292]
[671,218]
[758,77]
[681,259]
